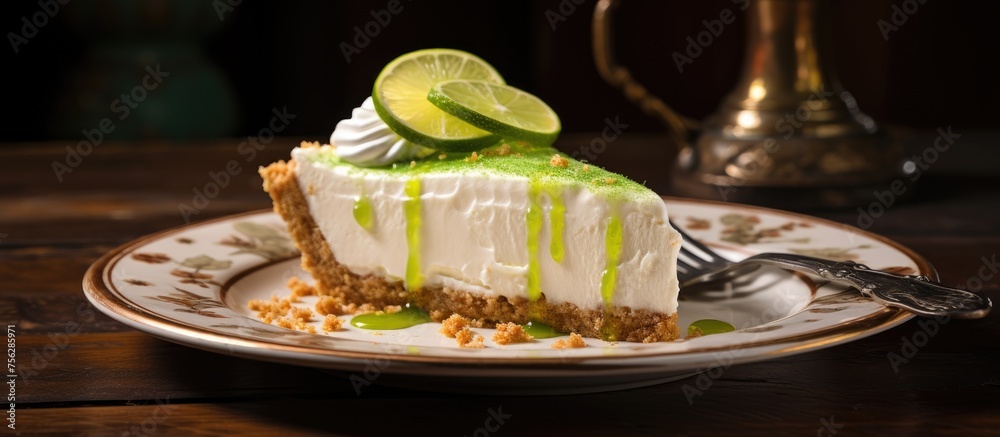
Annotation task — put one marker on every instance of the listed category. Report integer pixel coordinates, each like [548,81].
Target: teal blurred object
[130,40]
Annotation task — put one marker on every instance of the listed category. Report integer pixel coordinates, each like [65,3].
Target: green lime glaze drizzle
[709,327]
[541,330]
[406,318]
[613,249]
[411,209]
[363,212]
[557,220]
[533,218]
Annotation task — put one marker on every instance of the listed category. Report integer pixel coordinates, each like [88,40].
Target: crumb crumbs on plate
[575,341]
[331,323]
[300,288]
[282,313]
[508,333]
[451,326]
[468,339]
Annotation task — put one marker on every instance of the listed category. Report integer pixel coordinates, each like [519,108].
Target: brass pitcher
[788,134]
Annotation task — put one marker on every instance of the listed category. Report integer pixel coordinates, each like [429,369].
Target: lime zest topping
[498,108]
[400,98]
[411,209]
[519,162]
[613,250]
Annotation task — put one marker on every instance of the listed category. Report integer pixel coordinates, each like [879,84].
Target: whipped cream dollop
[365,140]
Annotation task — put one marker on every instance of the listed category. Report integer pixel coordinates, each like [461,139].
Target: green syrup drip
[363,212]
[557,220]
[541,330]
[399,320]
[613,249]
[411,209]
[533,218]
[709,327]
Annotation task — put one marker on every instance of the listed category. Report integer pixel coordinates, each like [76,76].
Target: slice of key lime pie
[442,192]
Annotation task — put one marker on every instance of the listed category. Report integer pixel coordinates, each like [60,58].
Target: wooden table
[83,372]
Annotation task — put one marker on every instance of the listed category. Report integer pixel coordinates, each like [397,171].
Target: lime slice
[400,96]
[498,108]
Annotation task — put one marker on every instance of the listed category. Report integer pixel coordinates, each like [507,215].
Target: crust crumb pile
[327,305]
[299,289]
[269,310]
[331,323]
[468,339]
[575,341]
[452,325]
[508,333]
[280,312]
[457,327]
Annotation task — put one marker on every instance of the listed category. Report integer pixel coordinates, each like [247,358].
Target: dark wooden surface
[111,380]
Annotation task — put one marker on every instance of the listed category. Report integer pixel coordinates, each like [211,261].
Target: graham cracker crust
[335,280]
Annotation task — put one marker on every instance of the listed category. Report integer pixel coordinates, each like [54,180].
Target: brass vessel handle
[619,76]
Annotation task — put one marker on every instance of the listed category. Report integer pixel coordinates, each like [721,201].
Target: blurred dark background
[231,63]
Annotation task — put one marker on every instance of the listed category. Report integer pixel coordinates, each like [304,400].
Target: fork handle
[917,294]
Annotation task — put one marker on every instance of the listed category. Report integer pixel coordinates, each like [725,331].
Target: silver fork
[918,294]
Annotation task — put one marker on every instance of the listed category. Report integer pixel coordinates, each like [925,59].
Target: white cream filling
[474,236]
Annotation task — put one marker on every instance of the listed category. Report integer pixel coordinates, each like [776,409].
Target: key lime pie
[442,192]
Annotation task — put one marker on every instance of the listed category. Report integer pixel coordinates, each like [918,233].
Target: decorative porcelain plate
[192,285]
